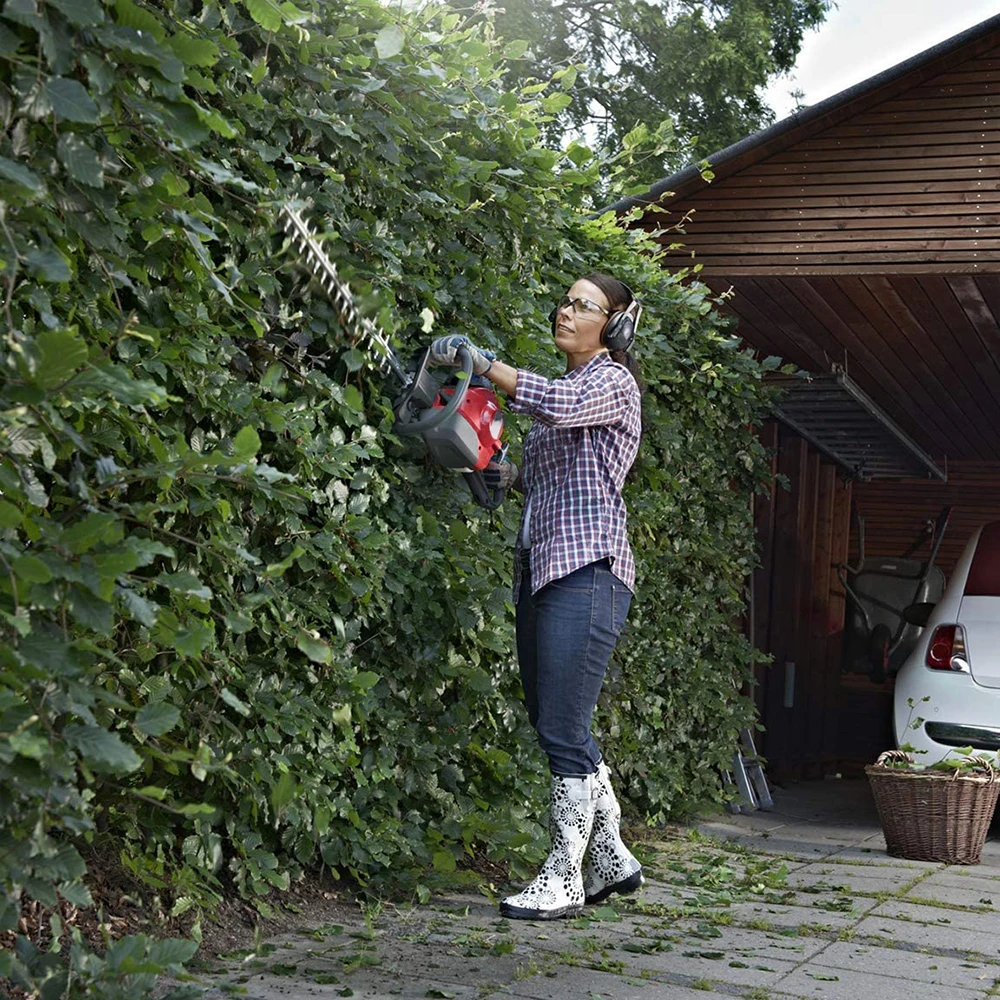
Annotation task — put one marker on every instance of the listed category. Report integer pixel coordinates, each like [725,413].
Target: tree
[699,64]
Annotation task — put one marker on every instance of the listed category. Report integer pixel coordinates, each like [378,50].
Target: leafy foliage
[245,630]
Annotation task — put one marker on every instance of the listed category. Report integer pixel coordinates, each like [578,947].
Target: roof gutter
[798,119]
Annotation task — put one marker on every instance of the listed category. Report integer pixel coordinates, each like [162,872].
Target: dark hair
[619,297]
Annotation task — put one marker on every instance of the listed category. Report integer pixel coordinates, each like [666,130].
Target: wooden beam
[983,381]
[878,160]
[979,238]
[838,199]
[819,703]
[786,600]
[763,574]
[802,340]
[836,610]
[712,231]
[808,693]
[730,273]
[980,315]
[898,138]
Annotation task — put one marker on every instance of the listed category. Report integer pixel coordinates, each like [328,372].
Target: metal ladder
[747,774]
[748,777]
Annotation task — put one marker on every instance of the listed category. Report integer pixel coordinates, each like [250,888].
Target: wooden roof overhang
[861,236]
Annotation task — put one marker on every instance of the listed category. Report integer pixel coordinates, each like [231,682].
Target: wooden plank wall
[799,606]
[914,180]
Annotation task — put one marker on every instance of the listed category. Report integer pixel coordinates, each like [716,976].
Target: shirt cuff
[529,392]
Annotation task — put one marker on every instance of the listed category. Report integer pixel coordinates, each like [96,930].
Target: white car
[948,691]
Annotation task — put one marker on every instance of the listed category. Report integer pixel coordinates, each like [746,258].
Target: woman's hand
[444,352]
[501,475]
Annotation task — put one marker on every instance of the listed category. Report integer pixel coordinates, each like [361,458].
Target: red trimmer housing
[471,437]
[461,424]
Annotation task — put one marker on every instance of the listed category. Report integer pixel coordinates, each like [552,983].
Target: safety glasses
[581,306]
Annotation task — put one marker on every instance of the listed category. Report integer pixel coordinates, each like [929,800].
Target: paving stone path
[799,902]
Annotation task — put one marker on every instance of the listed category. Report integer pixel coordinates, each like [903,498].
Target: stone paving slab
[986,922]
[955,895]
[934,938]
[668,896]
[826,837]
[778,844]
[849,984]
[973,878]
[865,879]
[269,988]
[813,915]
[904,964]
[588,984]
[693,965]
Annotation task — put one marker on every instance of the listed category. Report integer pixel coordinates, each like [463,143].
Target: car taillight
[946,650]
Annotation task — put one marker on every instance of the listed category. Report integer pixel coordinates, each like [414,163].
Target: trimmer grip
[481,493]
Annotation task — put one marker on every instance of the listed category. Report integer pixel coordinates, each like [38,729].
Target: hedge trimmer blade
[339,292]
[461,425]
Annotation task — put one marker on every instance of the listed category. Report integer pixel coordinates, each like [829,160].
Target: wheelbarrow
[877,635]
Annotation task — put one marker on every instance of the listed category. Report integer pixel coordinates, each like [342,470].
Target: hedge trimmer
[461,423]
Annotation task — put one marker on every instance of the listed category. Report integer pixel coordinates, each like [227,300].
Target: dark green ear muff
[620,330]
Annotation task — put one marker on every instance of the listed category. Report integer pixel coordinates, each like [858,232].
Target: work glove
[501,475]
[444,352]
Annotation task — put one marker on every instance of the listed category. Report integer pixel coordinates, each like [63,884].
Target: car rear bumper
[954,734]
[936,711]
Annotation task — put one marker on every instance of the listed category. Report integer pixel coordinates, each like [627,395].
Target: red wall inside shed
[896,511]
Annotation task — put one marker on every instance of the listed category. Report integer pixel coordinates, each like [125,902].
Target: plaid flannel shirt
[581,445]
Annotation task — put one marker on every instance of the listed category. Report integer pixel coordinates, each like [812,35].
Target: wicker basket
[933,815]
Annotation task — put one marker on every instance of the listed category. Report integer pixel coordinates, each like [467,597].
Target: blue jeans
[566,634]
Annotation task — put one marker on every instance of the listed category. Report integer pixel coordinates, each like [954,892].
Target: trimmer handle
[481,493]
[411,420]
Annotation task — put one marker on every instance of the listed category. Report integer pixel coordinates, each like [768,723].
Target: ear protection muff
[620,330]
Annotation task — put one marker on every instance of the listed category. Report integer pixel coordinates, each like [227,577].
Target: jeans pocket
[621,601]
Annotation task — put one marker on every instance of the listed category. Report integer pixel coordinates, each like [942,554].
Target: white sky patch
[861,38]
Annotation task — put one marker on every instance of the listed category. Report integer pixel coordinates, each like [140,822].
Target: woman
[573,576]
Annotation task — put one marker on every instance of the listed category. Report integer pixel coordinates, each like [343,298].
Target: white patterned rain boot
[557,891]
[611,867]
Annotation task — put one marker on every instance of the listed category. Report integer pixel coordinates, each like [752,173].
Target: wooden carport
[859,238]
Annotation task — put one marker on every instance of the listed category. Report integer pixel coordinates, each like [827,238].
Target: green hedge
[244,628]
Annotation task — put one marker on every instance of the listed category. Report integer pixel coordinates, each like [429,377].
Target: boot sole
[525,913]
[622,888]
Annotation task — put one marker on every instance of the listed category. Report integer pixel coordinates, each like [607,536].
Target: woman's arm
[504,377]
[601,398]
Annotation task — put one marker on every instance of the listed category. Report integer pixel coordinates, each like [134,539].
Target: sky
[863,37]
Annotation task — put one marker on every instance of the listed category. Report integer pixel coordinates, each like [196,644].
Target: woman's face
[577,331]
